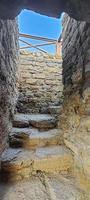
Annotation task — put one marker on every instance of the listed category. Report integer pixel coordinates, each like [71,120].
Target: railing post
[59,49]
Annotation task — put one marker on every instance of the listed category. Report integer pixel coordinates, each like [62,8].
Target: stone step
[20,121]
[21,163]
[43,187]
[40,121]
[33,138]
[55,110]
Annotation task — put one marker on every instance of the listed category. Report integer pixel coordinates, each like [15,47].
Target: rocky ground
[42,187]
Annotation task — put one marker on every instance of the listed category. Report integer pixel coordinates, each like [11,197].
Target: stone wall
[40,82]
[8,67]
[76,66]
[75,119]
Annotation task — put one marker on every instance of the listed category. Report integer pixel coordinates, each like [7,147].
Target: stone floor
[42,187]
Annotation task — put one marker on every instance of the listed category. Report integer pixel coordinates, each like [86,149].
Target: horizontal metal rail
[47,42]
[38,45]
[37,37]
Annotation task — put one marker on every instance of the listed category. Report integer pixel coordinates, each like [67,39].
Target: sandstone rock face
[8,68]
[40,82]
[75,119]
[75,8]
[79,143]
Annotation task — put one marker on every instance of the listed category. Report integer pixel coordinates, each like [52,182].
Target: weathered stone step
[20,121]
[19,164]
[55,110]
[33,138]
[40,121]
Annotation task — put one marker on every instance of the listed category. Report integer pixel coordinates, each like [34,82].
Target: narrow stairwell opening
[36,143]
[47,156]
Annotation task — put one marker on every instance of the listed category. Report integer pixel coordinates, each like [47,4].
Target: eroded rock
[75,8]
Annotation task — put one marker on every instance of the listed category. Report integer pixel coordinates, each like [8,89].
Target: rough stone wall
[8,67]
[40,82]
[77,9]
[76,65]
[75,119]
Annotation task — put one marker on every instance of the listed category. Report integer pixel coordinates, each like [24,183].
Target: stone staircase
[35,145]
[37,155]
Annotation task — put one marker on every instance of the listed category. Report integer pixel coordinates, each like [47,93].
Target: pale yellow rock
[79,143]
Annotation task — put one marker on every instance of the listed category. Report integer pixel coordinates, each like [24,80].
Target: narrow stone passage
[46,155]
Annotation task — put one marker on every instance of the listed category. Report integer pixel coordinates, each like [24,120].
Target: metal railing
[46,42]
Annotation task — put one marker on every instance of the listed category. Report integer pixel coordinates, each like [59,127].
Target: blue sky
[39,25]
